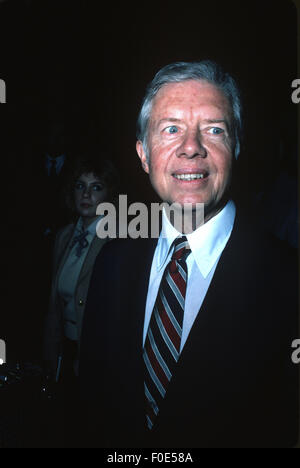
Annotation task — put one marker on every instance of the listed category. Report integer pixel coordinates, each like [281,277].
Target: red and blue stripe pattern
[162,345]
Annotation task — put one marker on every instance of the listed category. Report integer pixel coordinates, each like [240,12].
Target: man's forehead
[181,86]
[197,93]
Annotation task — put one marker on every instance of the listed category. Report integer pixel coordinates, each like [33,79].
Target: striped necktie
[162,345]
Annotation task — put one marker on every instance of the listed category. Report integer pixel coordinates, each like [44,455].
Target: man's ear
[142,155]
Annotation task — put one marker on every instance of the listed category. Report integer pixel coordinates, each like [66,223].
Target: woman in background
[91,181]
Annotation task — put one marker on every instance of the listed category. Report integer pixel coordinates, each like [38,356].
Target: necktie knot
[181,251]
[82,242]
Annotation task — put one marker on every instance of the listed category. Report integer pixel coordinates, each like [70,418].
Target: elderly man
[187,339]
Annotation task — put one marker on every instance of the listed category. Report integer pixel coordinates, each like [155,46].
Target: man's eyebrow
[216,121]
[168,119]
[173,119]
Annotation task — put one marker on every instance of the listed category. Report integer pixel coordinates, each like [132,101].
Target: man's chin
[188,204]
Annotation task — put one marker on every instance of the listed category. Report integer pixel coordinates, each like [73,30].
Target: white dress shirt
[207,244]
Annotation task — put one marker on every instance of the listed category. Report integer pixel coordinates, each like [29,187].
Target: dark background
[90,62]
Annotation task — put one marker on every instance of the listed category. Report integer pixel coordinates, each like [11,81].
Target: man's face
[190,146]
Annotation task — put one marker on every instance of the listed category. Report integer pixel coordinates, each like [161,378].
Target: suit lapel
[93,251]
[63,249]
[137,285]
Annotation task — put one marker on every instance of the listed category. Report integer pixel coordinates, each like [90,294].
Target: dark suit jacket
[235,384]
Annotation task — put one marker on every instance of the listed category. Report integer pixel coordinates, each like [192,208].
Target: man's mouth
[194,176]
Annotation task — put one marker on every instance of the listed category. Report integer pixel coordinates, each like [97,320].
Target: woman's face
[88,193]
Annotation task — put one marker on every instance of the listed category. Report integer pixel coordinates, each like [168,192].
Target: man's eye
[172,129]
[78,186]
[216,130]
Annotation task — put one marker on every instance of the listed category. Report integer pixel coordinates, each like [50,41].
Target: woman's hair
[102,168]
[178,72]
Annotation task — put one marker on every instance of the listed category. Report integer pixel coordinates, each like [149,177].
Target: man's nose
[191,146]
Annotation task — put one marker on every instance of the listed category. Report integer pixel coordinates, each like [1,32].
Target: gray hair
[182,71]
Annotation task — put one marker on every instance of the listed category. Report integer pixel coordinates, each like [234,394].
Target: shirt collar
[167,236]
[79,229]
[206,243]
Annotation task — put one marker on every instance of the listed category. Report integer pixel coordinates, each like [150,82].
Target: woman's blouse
[78,246]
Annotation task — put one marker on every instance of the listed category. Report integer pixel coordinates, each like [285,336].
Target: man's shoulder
[250,240]
[123,249]
[129,243]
